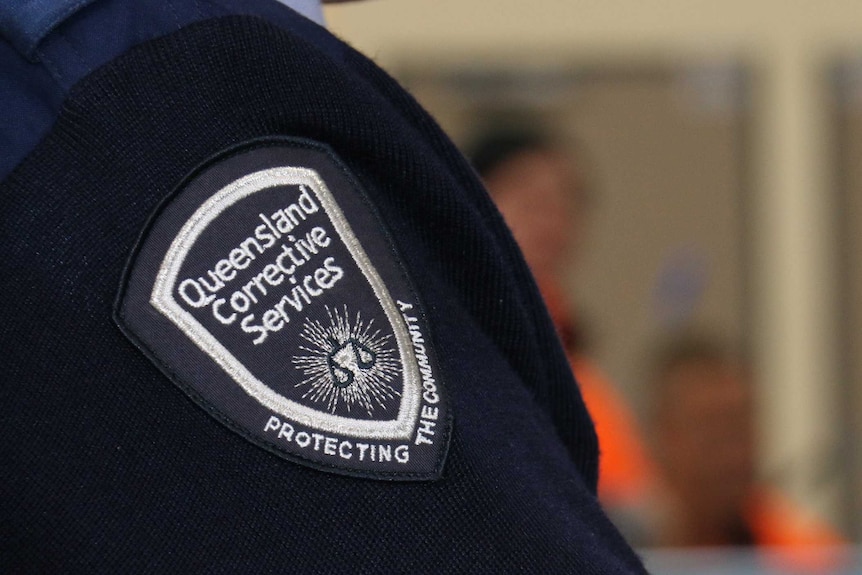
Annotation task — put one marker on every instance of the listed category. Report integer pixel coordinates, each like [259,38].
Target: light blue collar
[311,9]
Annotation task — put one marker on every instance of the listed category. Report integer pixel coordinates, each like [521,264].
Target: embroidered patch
[268,289]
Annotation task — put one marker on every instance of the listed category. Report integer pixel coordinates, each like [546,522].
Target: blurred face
[705,439]
[535,192]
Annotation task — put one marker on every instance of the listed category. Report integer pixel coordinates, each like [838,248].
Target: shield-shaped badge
[268,289]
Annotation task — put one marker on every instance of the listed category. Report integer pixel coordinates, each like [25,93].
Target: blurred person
[260,316]
[541,189]
[702,427]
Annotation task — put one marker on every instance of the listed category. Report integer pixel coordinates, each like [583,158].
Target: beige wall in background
[789,44]
[664,155]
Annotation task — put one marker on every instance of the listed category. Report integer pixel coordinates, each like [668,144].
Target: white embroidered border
[162,299]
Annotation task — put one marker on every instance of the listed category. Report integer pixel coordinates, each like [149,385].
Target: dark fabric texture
[25,24]
[108,467]
[35,77]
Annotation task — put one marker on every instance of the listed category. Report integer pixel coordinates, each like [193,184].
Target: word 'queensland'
[282,274]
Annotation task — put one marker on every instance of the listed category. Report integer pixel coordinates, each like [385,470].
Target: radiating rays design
[350,364]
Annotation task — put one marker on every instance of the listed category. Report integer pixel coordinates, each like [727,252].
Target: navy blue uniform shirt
[259,315]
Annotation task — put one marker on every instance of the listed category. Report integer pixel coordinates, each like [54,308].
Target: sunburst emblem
[351,363]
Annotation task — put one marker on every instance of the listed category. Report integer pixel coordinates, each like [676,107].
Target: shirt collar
[311,9]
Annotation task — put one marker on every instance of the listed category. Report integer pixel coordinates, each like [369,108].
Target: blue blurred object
[680,284]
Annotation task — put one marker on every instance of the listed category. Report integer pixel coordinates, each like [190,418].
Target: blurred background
[715,204]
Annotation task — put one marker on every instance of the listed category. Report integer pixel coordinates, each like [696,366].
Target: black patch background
[197,373]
